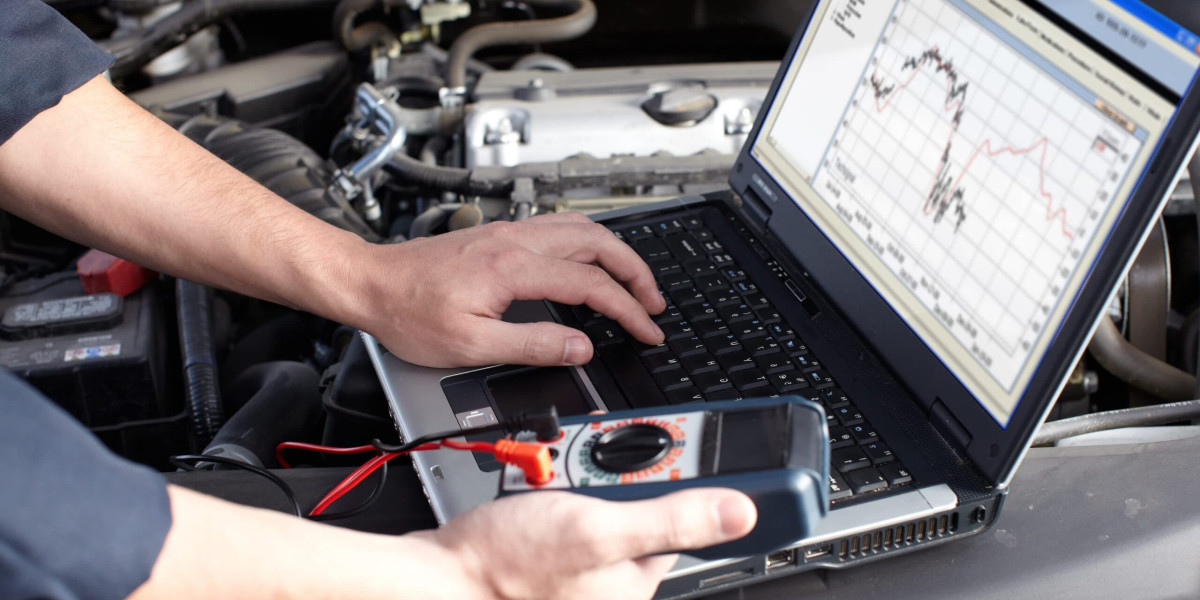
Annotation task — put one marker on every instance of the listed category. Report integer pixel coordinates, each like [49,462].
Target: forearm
[98,169]
[221,550]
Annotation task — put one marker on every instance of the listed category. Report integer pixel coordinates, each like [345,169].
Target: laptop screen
[970,158]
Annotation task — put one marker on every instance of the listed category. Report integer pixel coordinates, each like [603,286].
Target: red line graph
[954,104]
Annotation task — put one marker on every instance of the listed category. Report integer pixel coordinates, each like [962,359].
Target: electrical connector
[533,459]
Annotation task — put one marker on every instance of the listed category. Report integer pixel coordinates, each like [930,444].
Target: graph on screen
[976,176]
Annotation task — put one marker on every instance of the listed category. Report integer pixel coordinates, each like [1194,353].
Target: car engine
[398,119]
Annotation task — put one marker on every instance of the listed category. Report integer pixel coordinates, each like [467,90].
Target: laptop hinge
[949,426]
[754,206]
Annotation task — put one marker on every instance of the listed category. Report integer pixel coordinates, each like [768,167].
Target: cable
[361,508]
[1142,416]
[183,461]
[316,448]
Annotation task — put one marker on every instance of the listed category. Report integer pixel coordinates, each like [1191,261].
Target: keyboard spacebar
[631,376]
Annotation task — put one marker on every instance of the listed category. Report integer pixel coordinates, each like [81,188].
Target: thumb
[685,520]
[540,344]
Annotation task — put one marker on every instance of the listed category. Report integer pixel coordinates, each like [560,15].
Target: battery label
[75,354]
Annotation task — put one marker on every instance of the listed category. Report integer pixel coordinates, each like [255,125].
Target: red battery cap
[101,272]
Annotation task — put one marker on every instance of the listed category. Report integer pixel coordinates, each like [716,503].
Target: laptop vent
[895,537]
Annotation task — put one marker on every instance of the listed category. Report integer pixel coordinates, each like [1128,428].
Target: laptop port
[783,558]
[815,553]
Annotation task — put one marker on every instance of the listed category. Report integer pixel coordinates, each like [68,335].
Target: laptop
[935,206]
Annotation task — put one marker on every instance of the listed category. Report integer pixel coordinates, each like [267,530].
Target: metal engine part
[523,117]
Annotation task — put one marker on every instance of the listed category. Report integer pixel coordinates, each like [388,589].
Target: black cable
[434,437]
[183,461]
[541,421]
[361,508]
[1142,416]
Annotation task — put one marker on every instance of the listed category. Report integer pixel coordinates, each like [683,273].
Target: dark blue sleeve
[76,521]
[42,58]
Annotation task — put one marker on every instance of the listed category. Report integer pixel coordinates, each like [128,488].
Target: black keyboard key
[749,288]
[748,330]
[733,273]
[633,234]
[682,297]
[646,350]
[698,267]
[834,398]
[672,313]
[605,333]
[684,395]
[712,247]
[660,362]
[668,227]
[630,375]
[895,473]
[735,360]
[672,380]
[711,283]
[721,259]
[651,249]
[700,311]
[710,328]
[763,346]
[663,268]
[693,222]
[819,379]
[788,381]
[675,330]
[773,362]
[684,246]
[725,394]
[849,458]
[839,437]
[587,316]
[736,313]
[700,363]
[878,453]
[687,346]
[807,362]
[723,343]
[712,382]
[674,283]
[866,480]
[863,433]
[782,331]
[749,379]
[848,415]
[702,235]
[724,297]
[794,347]
[755,300]
[838,488]
[769,316]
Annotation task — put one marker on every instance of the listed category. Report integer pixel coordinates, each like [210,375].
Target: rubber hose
[1142,416]
[132,53]
[355,38]
[284,404]
[201,391]
[453,179]
[1131,365]
[521,32]
[432,218]
[278,161]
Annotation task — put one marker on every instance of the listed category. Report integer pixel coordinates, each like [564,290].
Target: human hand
[564,545]
[438,301]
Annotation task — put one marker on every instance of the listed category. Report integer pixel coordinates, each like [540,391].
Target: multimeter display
[752,440]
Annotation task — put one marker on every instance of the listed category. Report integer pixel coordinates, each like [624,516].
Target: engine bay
[400,119]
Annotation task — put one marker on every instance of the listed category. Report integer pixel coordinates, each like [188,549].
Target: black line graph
[976,176]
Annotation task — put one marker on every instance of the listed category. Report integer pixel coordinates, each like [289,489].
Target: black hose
[354,38]
[1142,416]
[280,162]
[522,32]
[284,405]
[202,393]
[1131,365]
[135,51]
[453,179]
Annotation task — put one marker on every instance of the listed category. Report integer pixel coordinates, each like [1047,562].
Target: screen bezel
[995,450]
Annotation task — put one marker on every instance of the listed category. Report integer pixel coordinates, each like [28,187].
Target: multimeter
[775,450]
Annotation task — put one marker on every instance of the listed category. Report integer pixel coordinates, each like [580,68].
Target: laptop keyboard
[725,341]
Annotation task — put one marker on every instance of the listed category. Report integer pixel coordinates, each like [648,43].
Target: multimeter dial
[632,448]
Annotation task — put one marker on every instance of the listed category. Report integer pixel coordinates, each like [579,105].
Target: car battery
[99,356]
